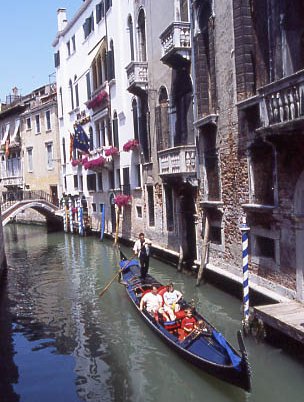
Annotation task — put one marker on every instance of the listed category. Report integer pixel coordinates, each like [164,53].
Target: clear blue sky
[28,29]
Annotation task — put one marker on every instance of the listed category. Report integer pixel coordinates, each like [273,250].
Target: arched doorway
[113,213]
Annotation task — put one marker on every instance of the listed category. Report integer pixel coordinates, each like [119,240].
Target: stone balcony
[178,161]
[176,44]
[137,74]
[282,104]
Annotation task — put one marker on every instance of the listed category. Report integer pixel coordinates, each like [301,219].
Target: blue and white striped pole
[245,229]
[64,215]
[71,214]
[80,218]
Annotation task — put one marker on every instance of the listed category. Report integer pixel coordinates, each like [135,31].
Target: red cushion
[180,314]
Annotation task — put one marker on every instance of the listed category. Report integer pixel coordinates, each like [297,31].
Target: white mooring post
[71,214]
[80,217]
[245,229]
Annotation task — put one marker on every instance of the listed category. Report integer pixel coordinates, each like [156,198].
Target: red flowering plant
[112,151]
[98,100]
[122,199]
[130,145]
[95,163]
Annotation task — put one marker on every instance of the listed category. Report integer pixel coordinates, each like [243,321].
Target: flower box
[122,200]
[130,145]
[98,100]
[112,151]
[94,164]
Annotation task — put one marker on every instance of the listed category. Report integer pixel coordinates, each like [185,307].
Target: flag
[81,140]
[71,146]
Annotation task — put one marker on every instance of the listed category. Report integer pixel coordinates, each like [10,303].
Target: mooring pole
[80,217]
[245,230]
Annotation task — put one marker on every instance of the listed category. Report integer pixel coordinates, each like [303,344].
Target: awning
[5,134]
[17,125]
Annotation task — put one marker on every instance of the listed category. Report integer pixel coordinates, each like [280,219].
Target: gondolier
[142,251]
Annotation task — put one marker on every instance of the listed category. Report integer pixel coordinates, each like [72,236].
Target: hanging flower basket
[76,162]
[94,164]
[98,100]
[112,151]
[130,145]
[122,200]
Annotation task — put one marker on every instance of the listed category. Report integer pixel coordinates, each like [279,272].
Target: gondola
[205,347]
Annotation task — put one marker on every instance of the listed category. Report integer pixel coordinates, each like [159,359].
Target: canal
[60,342]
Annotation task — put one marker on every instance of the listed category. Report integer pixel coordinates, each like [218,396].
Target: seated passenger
[171,298]
[151,301]
[188,325]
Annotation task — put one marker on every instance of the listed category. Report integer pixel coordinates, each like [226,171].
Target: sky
[28,29]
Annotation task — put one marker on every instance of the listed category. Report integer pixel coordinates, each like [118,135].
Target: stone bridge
[12,203]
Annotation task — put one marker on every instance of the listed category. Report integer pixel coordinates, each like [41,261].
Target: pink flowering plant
[98,100]
[95,163]
[122,199]
[112,151]
[130,145]
[76,162]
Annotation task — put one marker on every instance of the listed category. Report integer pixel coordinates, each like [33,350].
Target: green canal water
[60,342]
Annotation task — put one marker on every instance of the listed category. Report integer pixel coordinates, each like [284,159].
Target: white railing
[176,37]
[283,100]
[137,73]
[178,160]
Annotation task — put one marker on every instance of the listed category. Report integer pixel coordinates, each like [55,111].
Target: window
[169,208]
[61,102]
[111,69]
[131,39]
[126,181]
[150,193]
[111,179]
[135,119]
[37,121]
[73,44]
[94,206]
[264,247]
[139,211]
[76,95]
[99,181]
[75,182]
[48,119]
[162,120]
[28,123]
[91,182]
[57,59]
[108,4]
[80,184]
[69,48]
[71,94]
[115,131]
[63,150]
[49,151]
[88,86]
[88,26]
[30,159]
[99,12]
[138,176]
[142,36]
[91,139]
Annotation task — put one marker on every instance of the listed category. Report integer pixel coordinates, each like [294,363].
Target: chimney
[61,19]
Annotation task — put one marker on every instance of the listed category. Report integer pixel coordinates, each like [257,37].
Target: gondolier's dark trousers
[144,267]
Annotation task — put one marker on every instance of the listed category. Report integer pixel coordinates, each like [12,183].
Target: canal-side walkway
[286,317]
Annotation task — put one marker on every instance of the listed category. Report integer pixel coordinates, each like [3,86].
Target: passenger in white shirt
[171,299]
[151,301]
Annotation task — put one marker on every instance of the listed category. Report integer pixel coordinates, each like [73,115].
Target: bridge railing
[9,198]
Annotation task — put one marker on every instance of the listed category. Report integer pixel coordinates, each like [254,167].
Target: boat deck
[286,317]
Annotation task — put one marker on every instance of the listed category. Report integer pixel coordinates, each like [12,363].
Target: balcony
[282,104]
[176,44]
[178,161]
[137,74]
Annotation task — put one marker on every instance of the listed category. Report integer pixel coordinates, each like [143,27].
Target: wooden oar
[113,279]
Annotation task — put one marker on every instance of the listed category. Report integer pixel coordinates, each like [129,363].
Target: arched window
[115,130]
[94,73]
[183,5]
[135,118]
[162,120]
[99,70]
[111,61]
[142,55]
[131,39]
[71,94]
[104,65]
[76,91]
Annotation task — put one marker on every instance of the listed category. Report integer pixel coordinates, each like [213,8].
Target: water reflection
[70,345]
